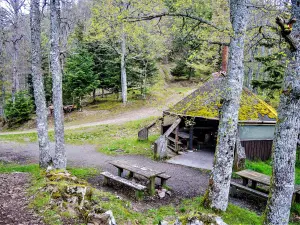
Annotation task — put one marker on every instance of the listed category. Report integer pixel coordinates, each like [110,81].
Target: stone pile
[75,197]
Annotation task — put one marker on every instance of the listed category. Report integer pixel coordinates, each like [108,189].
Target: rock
[195,222]
[106,218]
[49,168]
[105,199]
[219,221]
[177,222]
[161,194]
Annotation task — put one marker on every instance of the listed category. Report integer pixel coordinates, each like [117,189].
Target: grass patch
[234,214]
[107,138]
[266,168]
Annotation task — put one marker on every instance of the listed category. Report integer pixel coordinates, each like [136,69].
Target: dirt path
[13,200]
[185,182]
[142,113]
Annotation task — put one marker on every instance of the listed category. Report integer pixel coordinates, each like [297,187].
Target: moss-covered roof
[205,103]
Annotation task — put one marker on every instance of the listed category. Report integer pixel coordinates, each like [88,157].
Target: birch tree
[38,85]
[60,160]
[219,183]
[286,134]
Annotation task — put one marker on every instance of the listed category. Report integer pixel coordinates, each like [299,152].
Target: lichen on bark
[286,137]
[218,189]
[38,85]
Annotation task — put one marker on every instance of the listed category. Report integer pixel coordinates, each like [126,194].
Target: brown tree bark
[60,159]
[286,136]
[219,184]
[38,84]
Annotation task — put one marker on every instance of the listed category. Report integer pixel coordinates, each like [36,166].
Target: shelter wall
[258,149]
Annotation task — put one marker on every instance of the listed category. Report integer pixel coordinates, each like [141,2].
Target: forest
[200,95]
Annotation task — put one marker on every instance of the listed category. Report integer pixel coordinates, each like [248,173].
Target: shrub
[19,111]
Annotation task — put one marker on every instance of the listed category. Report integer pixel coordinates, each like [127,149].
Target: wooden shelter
[199,119]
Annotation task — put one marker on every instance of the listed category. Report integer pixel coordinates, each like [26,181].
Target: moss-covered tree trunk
[38,85]
[286,136]
[219,184]
[60,160]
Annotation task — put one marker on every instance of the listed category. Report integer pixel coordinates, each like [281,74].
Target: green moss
[207,104]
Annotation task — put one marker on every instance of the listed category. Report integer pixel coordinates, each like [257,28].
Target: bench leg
[233,191]
[152,186]
[245,181]
[163,182]
[120,172]
[105,181]
[254,184]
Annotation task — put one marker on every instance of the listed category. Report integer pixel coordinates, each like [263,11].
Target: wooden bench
[138,187]
[163,178]
[235,186]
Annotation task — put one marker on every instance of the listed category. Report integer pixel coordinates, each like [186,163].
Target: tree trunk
[15,86]
[123,69]
[38,84]
[60,160]
[218,190]
[286,137]
[2,97]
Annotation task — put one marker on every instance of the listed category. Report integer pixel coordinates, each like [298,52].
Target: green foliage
[19,111]
[79,77]
[182,69]
[274,68]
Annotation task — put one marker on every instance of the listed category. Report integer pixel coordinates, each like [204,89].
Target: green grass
[107,138]
[266,168]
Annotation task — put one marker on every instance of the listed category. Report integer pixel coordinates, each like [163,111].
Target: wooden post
[152,186]
[105,181]
[176,138]
[162,124]
[224,58]
[120,172]
[191,137]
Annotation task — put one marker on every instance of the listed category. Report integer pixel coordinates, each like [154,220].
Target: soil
[14,201]
[185,182]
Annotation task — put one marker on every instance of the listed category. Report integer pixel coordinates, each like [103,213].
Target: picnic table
[143,171]
[256,177]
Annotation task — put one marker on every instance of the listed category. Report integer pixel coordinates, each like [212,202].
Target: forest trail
[138,114]
[128,116]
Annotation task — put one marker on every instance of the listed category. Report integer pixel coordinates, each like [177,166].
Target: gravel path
[185,182]
[14,202]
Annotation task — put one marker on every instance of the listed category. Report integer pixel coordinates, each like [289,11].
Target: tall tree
[38,85]
[286,133]
[219,184]
[60,159]
[14,13]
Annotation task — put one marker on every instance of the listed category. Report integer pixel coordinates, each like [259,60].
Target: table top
[146,172]
[252,175]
